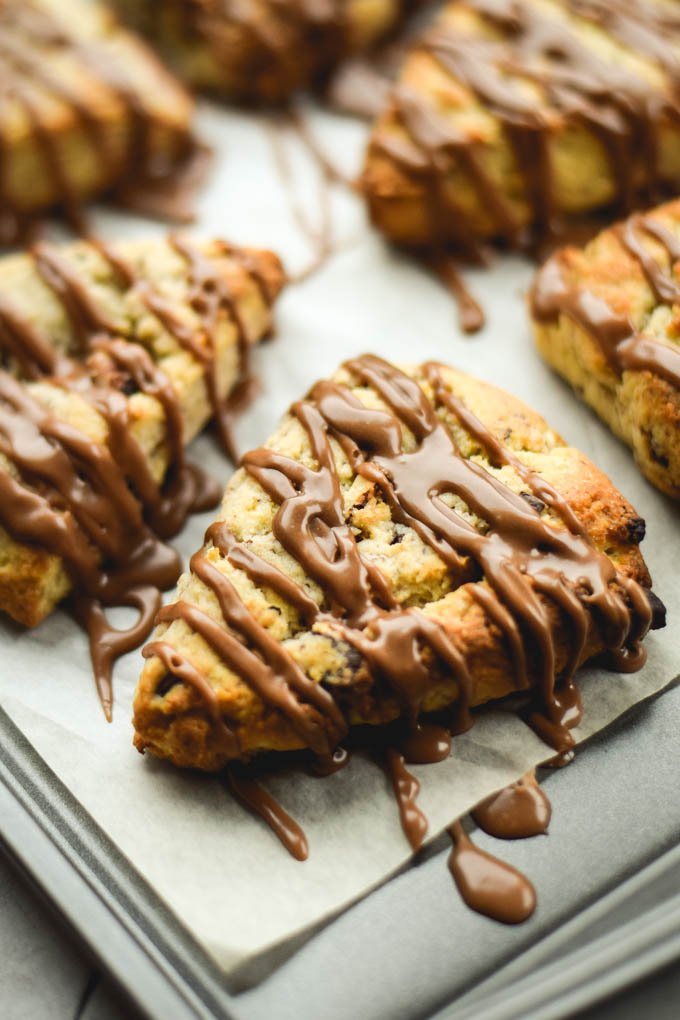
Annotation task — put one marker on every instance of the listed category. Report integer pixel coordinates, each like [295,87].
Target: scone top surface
[606,316]
[407,540]
[261,50]
[510,116]
[86,106]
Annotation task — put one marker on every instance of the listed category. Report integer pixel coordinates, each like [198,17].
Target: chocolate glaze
[538,578]
[425,744]
[487,885]
[406,789]
[162,187]
[257,800]
[625,347]
[471,315]
[526,45]
[516,812]
[98,506]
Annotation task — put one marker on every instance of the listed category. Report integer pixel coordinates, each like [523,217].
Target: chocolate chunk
[534,501]
[166,684]
[636,529]
[658,610]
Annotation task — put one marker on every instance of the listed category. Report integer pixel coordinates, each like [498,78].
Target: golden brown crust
[414,203]
[79,91]
[171,718]
[32,581]
[640,407]
[263,52]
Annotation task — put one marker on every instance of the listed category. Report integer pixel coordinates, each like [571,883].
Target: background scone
[509,117]
[407,540]
[261,50]
[607,318]
[85,108]
[116,354]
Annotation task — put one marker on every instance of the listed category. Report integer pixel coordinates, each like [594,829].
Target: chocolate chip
[636,529]
[129,387]
[534,501]
[658,610]
[165,684]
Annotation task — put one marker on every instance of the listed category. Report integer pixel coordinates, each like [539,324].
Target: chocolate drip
[98,505]
[487,885]
[471,315]
[406,788]
[107,643]
[535,576]
[625,347]
[259,802]
[517,812]
[168,184]
[531,69]
[426,744]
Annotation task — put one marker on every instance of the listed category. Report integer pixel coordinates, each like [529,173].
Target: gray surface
[401,952]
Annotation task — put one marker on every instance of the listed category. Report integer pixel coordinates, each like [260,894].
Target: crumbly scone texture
[32,580]
[171,719]
[641,408]
[262,51]
[78,91]
[419,197]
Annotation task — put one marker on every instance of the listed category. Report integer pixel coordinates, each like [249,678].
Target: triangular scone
[508,118]
[263,50]
[86,108]
[356,559]
[147,338]
[606,317]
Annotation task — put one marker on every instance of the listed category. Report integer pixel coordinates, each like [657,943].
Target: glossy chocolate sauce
[625,347]
[487,885]
[516,812]
[97,505]
[257,800]
[406,789]
[519,569]
[30,37]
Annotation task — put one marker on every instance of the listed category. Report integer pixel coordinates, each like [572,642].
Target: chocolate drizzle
[97,505]
[516,812]
[535,68]
[406,789]
[530,576]
[624,346]
[487,885]
[266,54]
[34,46]
[257,800]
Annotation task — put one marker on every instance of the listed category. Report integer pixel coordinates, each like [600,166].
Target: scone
[86,108]
[510,118]
[607,318]
[261,50]
[112,359]
[407,541]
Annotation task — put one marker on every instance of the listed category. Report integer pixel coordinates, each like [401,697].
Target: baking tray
[71,862]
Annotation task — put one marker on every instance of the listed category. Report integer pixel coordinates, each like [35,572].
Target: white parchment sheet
[221,871]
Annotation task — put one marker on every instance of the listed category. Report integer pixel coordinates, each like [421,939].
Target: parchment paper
[221,871]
